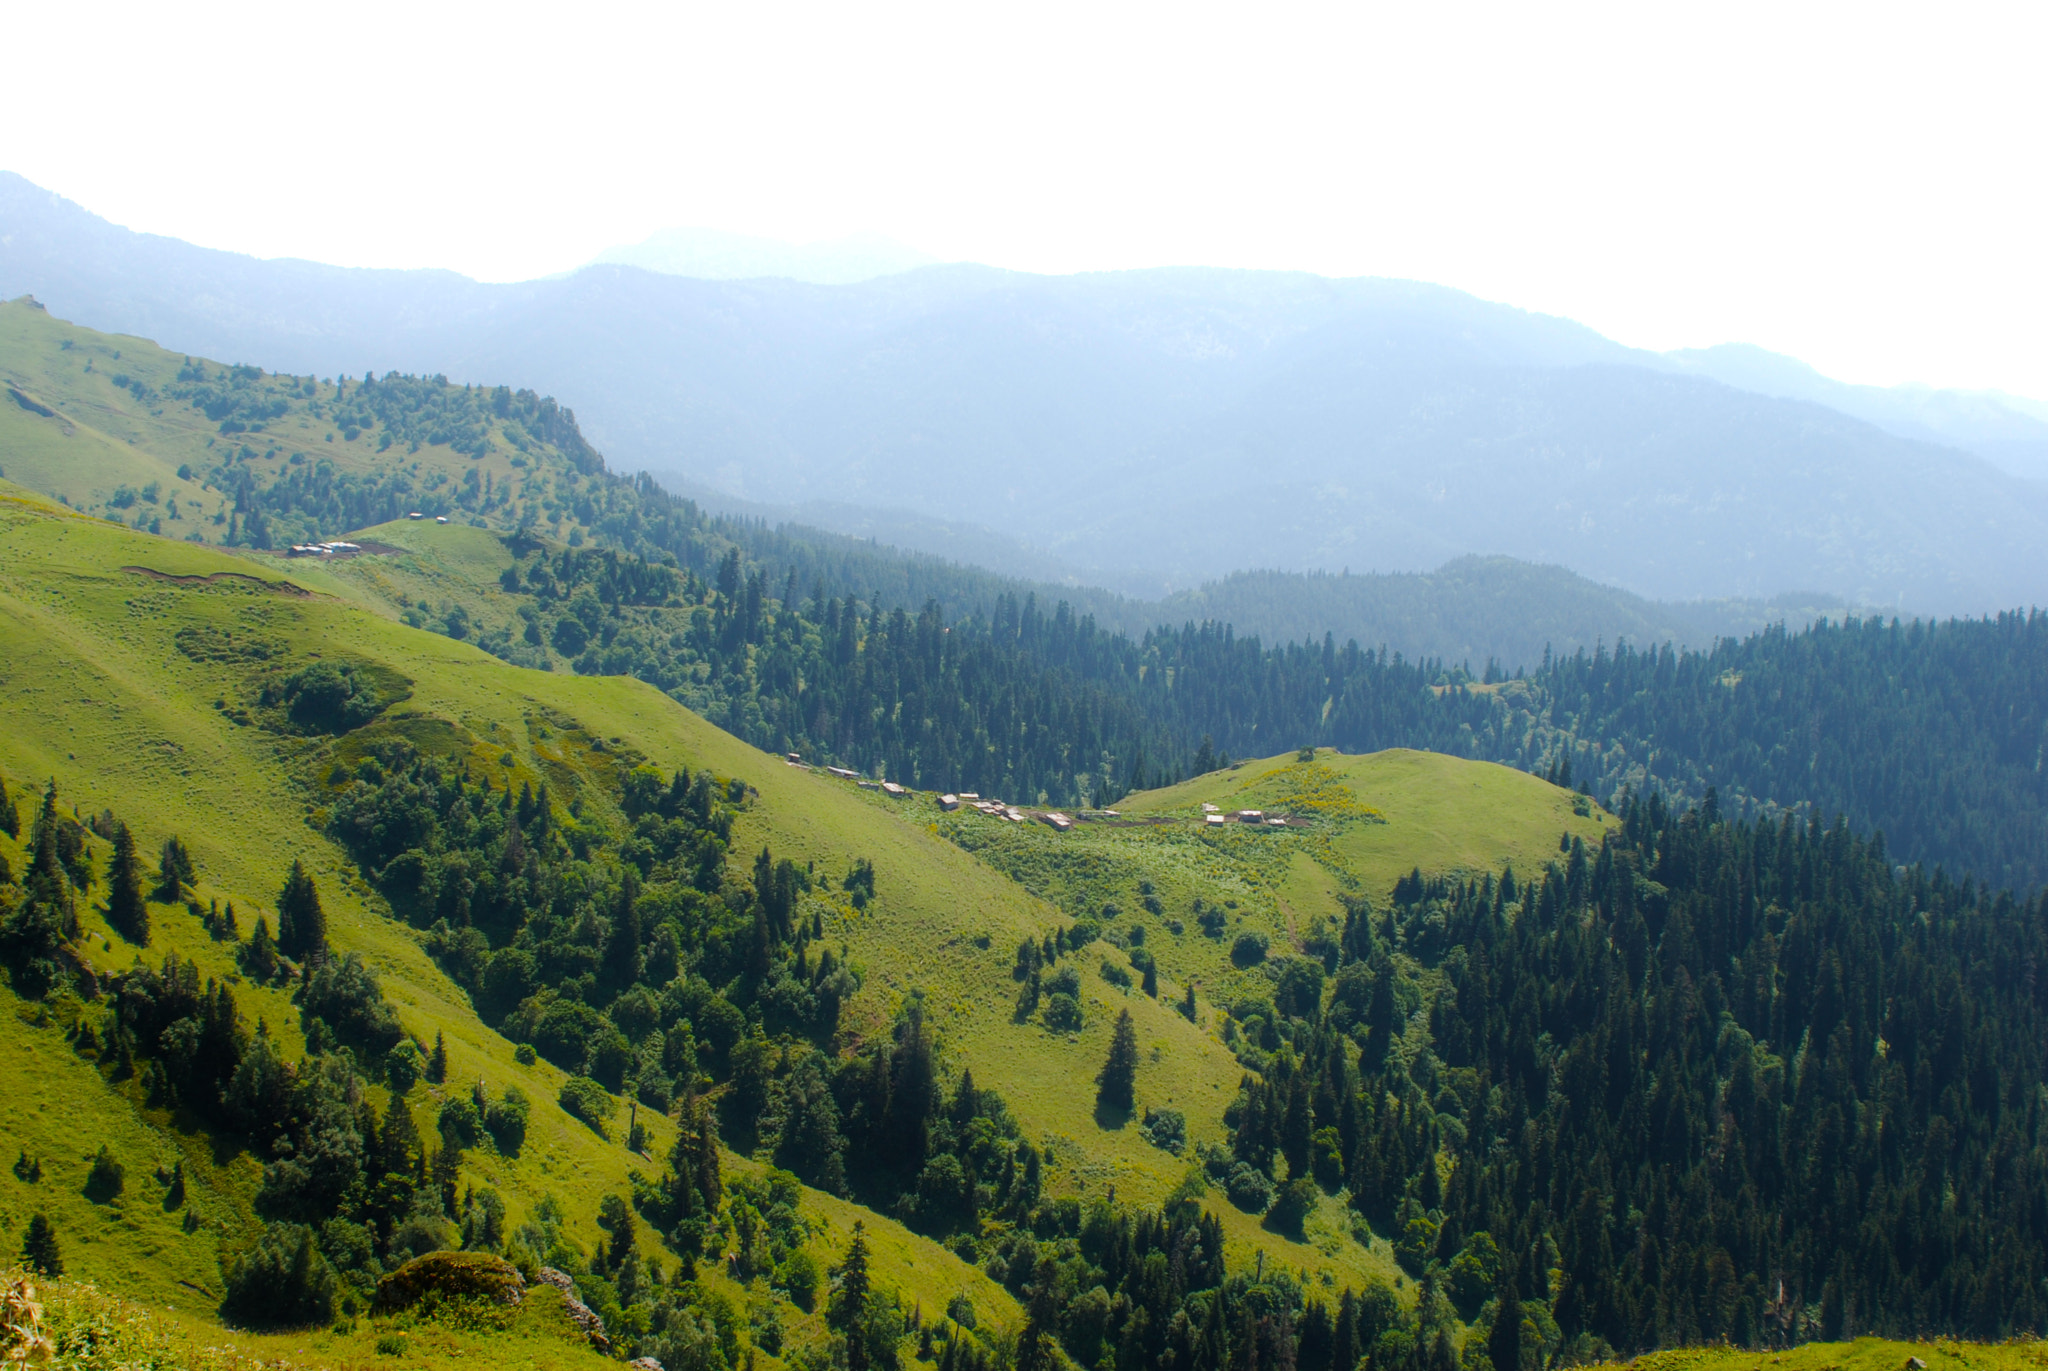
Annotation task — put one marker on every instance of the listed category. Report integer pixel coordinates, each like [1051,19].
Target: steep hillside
[143,676]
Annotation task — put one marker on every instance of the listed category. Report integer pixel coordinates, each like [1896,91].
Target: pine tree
[1117,1083]
[175,870]
[39,1252]
[126,910]
[10,822]
[1187,1004]
[301,924]
[1504,1343]
[437,1065]
[260,957]
[848,1312]
[45,879]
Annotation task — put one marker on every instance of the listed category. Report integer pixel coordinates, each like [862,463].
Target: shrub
[107,1176]
[1115,975]
[1299,993]
[1294,1202]
[525,1055]
[1249,949]
[279,1281]
[1248,1188]
[452,1275]
[1166,1129]
[346,997]
[588,1101]
[1063,1013]
[460,1124]
[798,1277]
[505,1120]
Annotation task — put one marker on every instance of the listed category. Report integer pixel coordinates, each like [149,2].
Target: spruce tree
[1504,1343]
[301,924]
[847,1309]
[260,957]
[175,870]
[126,910]
[1115,1087]
[437,1065]
[10,822]
[39,1252]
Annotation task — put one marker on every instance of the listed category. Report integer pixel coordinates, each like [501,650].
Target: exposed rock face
[580,1313]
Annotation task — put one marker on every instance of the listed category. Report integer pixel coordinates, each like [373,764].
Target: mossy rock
[474,1275]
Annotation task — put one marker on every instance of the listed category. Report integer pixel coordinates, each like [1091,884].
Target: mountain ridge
[1174,425]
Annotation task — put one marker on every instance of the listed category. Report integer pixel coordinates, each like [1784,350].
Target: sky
[1856,185]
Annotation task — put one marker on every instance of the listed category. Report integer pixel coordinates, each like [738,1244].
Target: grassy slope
[93,693]
[1375,818]
[101,436]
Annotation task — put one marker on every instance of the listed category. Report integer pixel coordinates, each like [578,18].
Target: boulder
[455,1274]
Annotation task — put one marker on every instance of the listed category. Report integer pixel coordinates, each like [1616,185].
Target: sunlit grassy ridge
[1372,820]
[99,698]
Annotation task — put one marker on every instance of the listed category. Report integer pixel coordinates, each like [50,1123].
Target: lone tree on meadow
[176,871]
[39,1253]
[1115,1087]
[126,910]
[301,924]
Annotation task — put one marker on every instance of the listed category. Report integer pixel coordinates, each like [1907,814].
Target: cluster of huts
[1212,815]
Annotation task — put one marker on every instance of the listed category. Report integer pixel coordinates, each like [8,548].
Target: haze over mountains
[1156,430]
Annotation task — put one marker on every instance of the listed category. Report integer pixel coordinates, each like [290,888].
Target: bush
[1166,1129]
[345,996]
[1293,1204]
[588,1101]
[279,1281]
[525,1055]
[1063,1013]
[798,1277]
[1249,1189]
[505,1120]
[107,1177]
[1115,975]
[325,698]
[459,1124]
[452,1275]
[1249,949]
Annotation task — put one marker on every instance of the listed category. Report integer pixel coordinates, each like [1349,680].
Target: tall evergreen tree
[10,821]
[39,1250]
[1116,1084]
[1504,1343]
[301,923]
[126,909]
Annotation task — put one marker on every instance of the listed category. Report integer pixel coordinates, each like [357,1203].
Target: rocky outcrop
[581,1314]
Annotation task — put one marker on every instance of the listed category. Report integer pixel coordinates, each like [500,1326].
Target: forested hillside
[1711,1081]
[945,676]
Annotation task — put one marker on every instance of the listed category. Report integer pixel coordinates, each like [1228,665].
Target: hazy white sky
[1859,185]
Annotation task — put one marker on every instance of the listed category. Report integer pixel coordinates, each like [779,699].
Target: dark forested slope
[1712,1081]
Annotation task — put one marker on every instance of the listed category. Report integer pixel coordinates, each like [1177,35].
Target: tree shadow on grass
[1112,1116]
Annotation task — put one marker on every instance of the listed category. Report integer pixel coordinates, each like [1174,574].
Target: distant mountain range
[714,255]
[1158,430]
